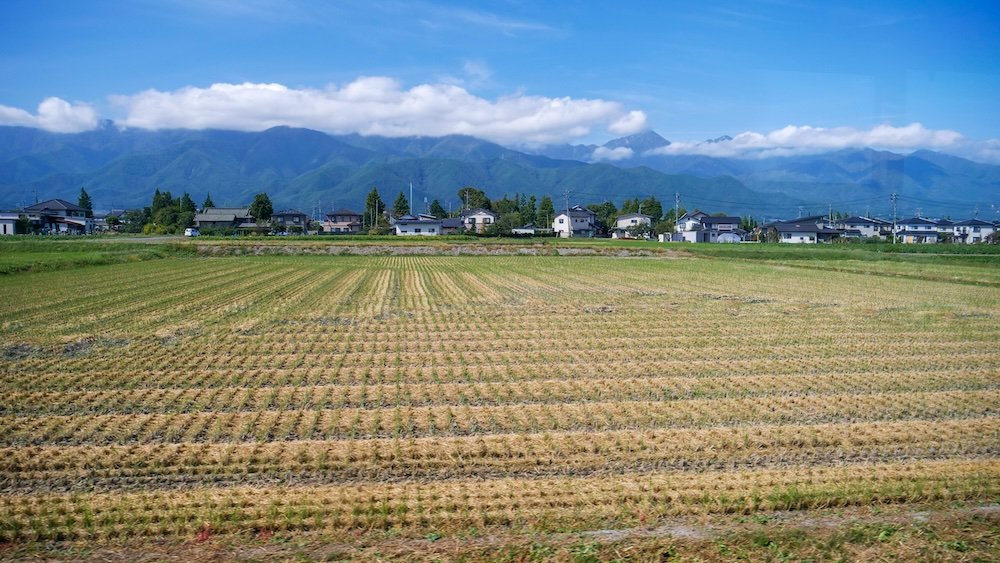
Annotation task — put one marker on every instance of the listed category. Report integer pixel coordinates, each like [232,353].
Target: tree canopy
[84,202]
[401,206]
[261,208]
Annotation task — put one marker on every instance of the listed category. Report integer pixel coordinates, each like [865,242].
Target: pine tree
[401,206]
[208,202]
[187,204]
[437,210]
[85,203]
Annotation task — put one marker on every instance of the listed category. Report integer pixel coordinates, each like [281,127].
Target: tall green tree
[374,206]
[261,208]
[652,207]
[437,210]
[529,211]
[546,213]
[208,202]
[473,198]
[504,205]
[630,206]
[401,206]
[84,202]
[187,204]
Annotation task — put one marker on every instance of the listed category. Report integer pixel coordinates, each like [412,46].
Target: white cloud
[54,114]
[617,153]
[632,122]
[987,151]
[796,140]
[376,106]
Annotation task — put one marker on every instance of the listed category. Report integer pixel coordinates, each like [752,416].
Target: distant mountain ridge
[306,169]
[928,181]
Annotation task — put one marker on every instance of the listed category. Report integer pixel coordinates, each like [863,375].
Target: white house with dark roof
[916,224]
[625,225]
[804,230]
[690,221]
[578,222]
[701,227]
[860,227]
[972,231]
[478,220]
[420,225]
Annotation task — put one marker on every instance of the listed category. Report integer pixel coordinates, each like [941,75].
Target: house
[58,216]
[342,221]
[417,225]
[627,225]
[858,227]
[576,222]
[451,225]
[972,231]
[478,220]
[690,221]
[8,222]
[945,227]
[291,220]
[700,227]
[916,224]
[227,218]
[807,231]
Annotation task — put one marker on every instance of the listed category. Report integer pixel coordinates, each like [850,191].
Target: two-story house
[58,216]
[342,221]
[627,225]
[578,221]
[478,220]
[972,231]
[291,220]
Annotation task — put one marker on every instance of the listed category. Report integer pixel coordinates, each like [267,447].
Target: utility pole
[411,198]
[569,218]
[893,199]
[677,212]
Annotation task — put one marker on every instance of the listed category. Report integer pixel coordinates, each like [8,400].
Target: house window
[471,221]
[561,221]
[486,220]
[430,230]
[787,235]
[417,230]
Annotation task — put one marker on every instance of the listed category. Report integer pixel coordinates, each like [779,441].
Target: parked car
[191,232]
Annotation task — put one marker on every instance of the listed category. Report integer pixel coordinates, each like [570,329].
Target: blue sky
[517,72]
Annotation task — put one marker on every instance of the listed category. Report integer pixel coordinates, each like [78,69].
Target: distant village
[519,216]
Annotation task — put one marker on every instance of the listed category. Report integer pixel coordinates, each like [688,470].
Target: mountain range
[310,170]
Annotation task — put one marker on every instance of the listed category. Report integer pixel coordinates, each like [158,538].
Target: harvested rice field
[491,407]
